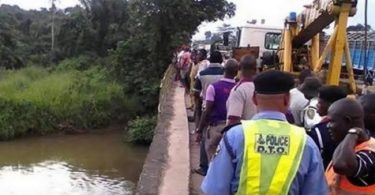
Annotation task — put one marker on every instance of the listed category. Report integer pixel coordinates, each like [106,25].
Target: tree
[358,27]
[108,17]
[68,33]
[76,35]
[8,59]
[157,28]
[170,23]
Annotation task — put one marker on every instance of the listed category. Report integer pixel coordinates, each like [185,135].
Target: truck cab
[266,38]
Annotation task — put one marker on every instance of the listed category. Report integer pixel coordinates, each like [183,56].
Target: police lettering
[261,149]
[272,144]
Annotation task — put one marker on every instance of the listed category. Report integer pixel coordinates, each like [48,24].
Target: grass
[36,100]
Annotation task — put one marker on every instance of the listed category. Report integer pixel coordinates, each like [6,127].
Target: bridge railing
[151,176]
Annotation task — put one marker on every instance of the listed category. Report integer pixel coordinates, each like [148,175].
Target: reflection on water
[83,164]
[52,177]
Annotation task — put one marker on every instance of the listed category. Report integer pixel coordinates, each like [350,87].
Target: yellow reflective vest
[272,155]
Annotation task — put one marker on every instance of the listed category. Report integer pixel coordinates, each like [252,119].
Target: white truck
[263,38]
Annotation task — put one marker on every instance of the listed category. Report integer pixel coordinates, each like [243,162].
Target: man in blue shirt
[224,171]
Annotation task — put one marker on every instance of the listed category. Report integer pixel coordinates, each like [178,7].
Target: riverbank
[40,101]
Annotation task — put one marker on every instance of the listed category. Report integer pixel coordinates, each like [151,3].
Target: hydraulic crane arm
[315,18]
[313,29]
[308,25]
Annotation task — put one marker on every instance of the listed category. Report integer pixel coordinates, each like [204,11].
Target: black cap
[273,82]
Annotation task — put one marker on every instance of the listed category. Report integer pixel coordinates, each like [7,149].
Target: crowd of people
[268,133]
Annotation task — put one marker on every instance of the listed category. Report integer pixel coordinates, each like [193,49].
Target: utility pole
[53,9]
[368,75]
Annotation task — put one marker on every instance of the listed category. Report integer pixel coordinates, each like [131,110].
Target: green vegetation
[141,130]
[98,62]
[33,100]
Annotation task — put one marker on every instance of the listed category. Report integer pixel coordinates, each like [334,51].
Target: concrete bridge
[173,152]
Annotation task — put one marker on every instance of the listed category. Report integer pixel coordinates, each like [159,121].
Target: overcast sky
[36,4]
[274,11]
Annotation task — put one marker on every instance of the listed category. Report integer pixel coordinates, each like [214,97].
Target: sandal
[199,171]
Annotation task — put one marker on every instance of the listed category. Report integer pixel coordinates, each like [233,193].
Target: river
[87,164]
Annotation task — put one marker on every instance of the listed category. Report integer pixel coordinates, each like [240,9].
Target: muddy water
[91,164]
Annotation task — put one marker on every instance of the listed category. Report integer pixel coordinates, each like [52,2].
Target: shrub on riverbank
[141,130]
[37,101]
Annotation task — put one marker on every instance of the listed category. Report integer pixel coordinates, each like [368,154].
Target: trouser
[213,137]
[198,112]
[203,160]
[183,76]
[187,83]
[191,103]
[177,76]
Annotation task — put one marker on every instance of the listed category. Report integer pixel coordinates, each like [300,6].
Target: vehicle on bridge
[302,40]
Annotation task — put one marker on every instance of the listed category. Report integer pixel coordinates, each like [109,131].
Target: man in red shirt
[184,65]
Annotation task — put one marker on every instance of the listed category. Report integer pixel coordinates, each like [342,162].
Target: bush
[141,130]
[130,65]
[33,100]
[19,118]
[82,62]
[41,60]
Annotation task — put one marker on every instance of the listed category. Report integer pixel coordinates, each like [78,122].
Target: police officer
[267,155]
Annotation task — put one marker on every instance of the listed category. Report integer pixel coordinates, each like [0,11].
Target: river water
[89,164]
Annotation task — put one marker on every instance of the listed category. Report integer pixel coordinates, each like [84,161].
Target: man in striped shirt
[350,161]
[368,104]
[213,73]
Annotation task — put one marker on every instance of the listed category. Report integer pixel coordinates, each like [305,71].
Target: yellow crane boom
[307,27]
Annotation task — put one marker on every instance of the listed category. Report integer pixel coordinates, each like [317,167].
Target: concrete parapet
[167,166]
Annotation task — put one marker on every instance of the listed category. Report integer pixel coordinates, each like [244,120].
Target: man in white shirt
[310,88]
[202,64]
[297,99]
[240,105]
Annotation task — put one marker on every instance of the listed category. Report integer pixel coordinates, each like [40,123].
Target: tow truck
[306,28]
[302,43]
